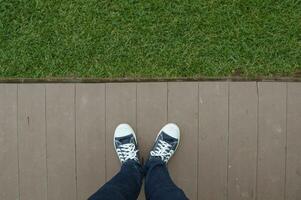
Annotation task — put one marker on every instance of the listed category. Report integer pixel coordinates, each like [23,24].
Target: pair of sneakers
[166,143]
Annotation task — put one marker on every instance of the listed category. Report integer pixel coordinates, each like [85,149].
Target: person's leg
[127,183]
[158,184]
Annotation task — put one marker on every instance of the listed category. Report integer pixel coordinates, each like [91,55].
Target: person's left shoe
[125,143]
[166,143]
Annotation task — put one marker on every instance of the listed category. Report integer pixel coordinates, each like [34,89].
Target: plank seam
[198,140]
[167,99]
[137,131]
[166,114]
[46,146]
[75,141]
[228,144]
[285,161]
[257,145]
[105,138]
[18,143]
[136,119]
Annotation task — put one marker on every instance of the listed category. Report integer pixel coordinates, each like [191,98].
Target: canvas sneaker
[166,142]
[125,143]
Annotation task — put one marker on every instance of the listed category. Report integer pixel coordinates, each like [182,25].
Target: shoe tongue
[125,139]
[168,138]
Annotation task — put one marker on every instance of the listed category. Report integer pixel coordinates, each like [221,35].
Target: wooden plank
[271,140]
[9,187]
[293,164]
[32,141]
[90,138]
[243,101]
[60,118]
[151,116]
[183,110]
[213,140]
[120,108]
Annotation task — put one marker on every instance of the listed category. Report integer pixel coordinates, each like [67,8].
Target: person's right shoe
[166,142]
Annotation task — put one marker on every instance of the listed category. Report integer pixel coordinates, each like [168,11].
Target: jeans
[126,184]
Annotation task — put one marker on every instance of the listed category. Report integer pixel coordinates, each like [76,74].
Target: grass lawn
[131,38]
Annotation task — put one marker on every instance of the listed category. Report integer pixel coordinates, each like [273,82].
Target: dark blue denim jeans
[126,184]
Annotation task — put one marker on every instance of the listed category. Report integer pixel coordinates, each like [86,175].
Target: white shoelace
[127,151]
[162,150]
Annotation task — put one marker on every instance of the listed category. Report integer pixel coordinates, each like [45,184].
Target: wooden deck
[240,140]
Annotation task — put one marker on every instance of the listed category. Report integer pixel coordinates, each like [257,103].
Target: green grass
[131,38]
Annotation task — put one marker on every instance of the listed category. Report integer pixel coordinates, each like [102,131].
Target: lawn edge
[112,80]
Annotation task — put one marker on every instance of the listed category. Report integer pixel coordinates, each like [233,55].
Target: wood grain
[90,138]
[213,140]
[60,116]
[32,142]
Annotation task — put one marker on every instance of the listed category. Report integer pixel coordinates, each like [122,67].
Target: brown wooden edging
[118,80]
